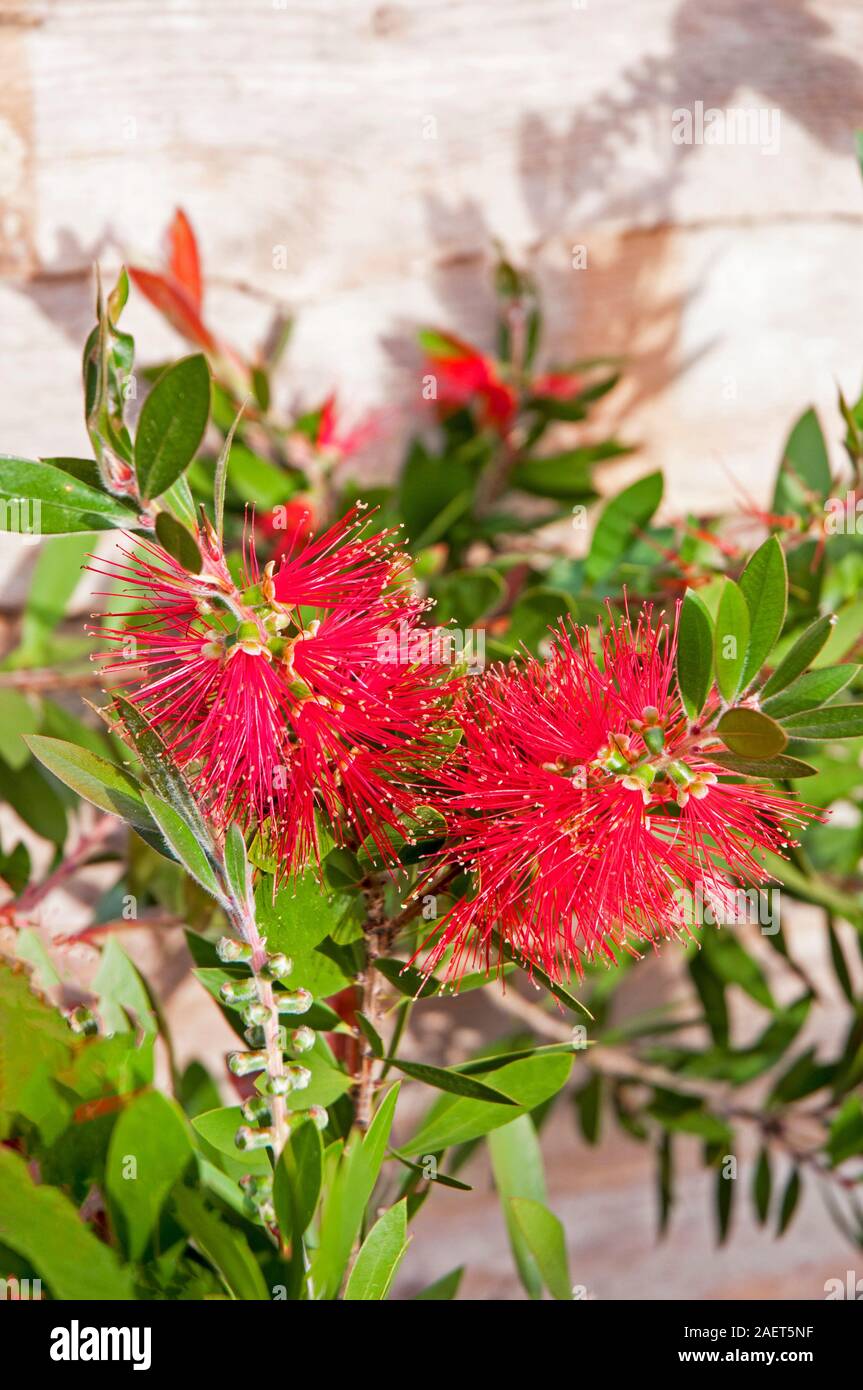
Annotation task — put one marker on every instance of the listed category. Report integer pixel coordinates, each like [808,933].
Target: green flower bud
[277,967]
[302,1039]
[247,1138]
[234,992]
[230,950]
[256,1111]
[256,1014]
[294,1001]
[83,1020]
[318,1116]
[244,1063]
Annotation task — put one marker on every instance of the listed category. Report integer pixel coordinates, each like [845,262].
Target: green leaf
[35,1042]
[31,795]
[148,1152]
[122,993]
[790,1198]
[348,1197]
[846,1132]
[801,655]
[173,536]
[835,721]
[620,520]
[751,734]
[762,1186]
[104,784]
[694,653]
[221,475]
[546,1240]
[18,719]
[43,1226]
[465,595]
[371,1034]
[444,1289]
[457,1119]
[237,865]
[516,1160]
[735,966]
[774,768]
[224,1246]
[172,423]
[453,1081]
[54,580]
[731,639]
[805,468]
[724,1204]
[764,585]
[38,499]
[567,477]
[810,691]
[380,1255]
[219,1127]
[181,839]
[297,1181]
[160,767]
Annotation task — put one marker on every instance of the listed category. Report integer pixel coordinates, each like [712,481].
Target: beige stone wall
[384,145]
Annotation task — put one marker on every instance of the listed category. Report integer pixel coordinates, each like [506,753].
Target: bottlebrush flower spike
[588,811]
[279,699]
[464,374]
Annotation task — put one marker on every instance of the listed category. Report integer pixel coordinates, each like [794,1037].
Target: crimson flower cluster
[585,807]
[280,697]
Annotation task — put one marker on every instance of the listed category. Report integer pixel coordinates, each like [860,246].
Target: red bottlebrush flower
[341,443]
[464,375]
[562,386]
[587,810]
[288,525]
[282,700]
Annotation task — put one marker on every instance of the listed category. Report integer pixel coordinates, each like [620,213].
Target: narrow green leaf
[516,1161]
[43,1226]
[458,1119]
[834,721]
[237,864]
[751,734]
[172,424]
[181,839]
[42,500]
[620,520]
[724,1203]
[221,476]
[546,1239]
[149,1150]
[179,542]
[453,1081]
[801,655]
[371,1035]
[810,691]
[104,784]
[224,1246]
[846,1132]
[764,585]
[444,1289]
[297,1181]
[160,767]
[731,639]
[762,1186]
[694,653]
[774,768]
[790,1198]
[380,1255]
[805,467]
